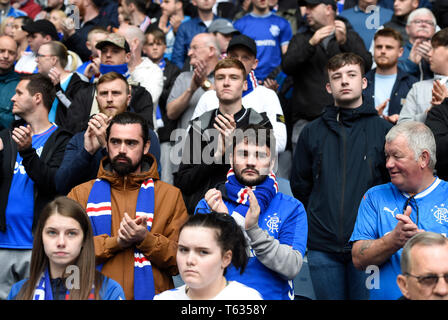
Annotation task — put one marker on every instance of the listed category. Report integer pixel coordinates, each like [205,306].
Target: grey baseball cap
[222,26]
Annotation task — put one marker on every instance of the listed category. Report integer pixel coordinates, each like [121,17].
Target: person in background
[8,79]
[30,153]
[424,267]
[154,48]
[390,214]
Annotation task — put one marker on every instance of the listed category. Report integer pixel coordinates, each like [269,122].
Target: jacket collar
[133,180]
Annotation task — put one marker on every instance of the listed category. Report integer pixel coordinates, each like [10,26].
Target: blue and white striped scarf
[99,209]
[44,291]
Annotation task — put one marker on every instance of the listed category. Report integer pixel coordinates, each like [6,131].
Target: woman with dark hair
[208,243]
[63,259]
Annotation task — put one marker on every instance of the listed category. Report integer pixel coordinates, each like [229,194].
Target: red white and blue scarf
[238,193]
[43,289]
[99,209]
[251,83]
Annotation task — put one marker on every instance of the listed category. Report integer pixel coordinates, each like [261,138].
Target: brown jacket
[159,246]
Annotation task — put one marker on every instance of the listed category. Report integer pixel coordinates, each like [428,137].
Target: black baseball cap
[245,41]
[43,26]
[316,2]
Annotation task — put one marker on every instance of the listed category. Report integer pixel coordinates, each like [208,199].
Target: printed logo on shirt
[273,222]
[440,213]
[18,168]
[39,151]
[390,211]
[266,43]
[274,30]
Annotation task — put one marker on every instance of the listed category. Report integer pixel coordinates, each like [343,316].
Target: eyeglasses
[38,55]
[427,22]
[429,281]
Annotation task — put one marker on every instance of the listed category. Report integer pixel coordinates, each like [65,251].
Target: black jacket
[307,65]
[79,112]
[169,76]
[66,97]
[77,41]
[437,121]
[40,169]
[339,156]
[197,175]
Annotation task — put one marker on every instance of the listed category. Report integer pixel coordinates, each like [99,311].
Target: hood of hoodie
[132,180]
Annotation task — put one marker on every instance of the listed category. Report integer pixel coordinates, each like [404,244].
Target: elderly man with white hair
[142,69]
[420,28]
[419,99]
[390,214]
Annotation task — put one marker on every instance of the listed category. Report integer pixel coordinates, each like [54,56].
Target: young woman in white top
[208,243]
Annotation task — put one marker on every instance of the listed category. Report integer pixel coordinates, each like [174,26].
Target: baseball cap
[222,26]
[316,2]
[42,26]
[116,39]
[245,41]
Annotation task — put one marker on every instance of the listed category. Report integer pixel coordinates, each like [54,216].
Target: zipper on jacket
[344,168]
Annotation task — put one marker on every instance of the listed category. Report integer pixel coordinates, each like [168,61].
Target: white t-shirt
[233,291]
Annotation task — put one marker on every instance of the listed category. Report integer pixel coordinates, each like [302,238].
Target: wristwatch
[206,85]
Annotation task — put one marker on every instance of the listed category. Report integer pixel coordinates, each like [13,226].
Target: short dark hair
[139,4]
[40,83]
[25,20]
[257,134]
[158,35]
[440,38]
[347,58]
[229,235]
[129,118]
[389,33]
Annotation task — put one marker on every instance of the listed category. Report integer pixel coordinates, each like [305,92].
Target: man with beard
[339,156]
[204,158]
[275,224]
[115,55]
[8,79]
[85,150]
[388,84]
[135,216]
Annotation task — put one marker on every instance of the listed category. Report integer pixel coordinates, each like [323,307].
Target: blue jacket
[339,156]
[187,30]
[110,290]
[421,71]
[401,87]
[285,220]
